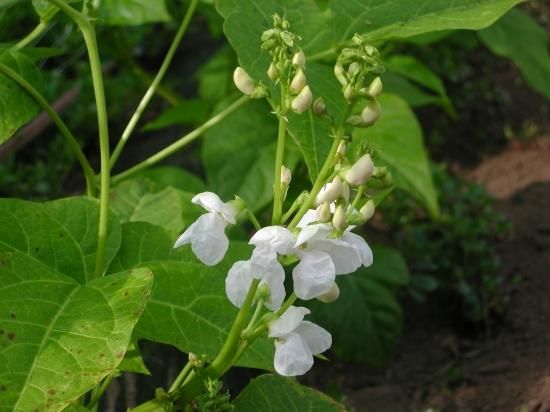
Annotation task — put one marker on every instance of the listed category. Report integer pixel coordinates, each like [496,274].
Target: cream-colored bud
[303,101]
[339,218]
[298,81]
[371,113]
[323,212]
[349,94]
[331,295]
[286,176]
[339,73]
[341,149]
[345,192]
[353,68]
[272,72]
[330,192]
[243,81]
[367,211]
[299,59]
[361,171]
[375,87]
[319,106]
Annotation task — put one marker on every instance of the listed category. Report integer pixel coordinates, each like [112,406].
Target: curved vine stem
[63,129]
[154,84]
[36,32]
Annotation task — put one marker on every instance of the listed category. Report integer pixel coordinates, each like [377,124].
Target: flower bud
[330,192]
[272,72]
[303,101]
[353,68]
[354,120]
[243,81]
[298,82]
[331,295]
[341,151]
[360,172]
[370,113]
[319,106]
[375,87]
[263,292]
[339,218]
[339,73]
[299,59]
[323,212]
[367,211]
[286,176]
[349,94]
[345,192]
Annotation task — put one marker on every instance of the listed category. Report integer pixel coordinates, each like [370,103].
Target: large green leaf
[397,140]
[366,320]
[273,393]
[140,200]
[58,338]
[239,155]
[176,177]
[188,307]
[382,19]
[133,12]
[62,234]
[518,37]
[17,107]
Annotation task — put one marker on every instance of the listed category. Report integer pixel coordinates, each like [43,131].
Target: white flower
[207,234]
[243,81]
[322,258]
[242,273]
[297,341]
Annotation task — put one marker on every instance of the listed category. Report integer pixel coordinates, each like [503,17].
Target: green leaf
[176,177]
[188,307]
[132,12]
[62,234]
[132,361]
[398,144]
[214,78]
[191,112]
[239,153]
[139,200]
[519,38]
[17,107]
[371,333]
[412,93]
[59,338]
[413,69]
[382,19]
[273,393]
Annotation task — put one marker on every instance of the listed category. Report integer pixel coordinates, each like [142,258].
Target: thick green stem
[154,84]
[277,188]
[37,31]
[183,141]
[181,377]
[65,132]
[88,33]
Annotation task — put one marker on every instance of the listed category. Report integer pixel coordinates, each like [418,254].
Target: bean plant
[298,157]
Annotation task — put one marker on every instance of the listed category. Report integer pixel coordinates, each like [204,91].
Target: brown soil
[440,369]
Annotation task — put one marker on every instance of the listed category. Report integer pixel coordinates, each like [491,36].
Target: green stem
[73,144]
[155,83]
[181,377]
[253,219]
[99,390]
[357,197]
[287,303]
[37,31]
[255,317]
[88,33]
[183,141]
[325,54]
[277,189]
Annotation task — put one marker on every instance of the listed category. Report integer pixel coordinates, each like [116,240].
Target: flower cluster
[318,244]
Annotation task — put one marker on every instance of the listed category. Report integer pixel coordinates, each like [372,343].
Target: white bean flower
[207,234]
[297,341]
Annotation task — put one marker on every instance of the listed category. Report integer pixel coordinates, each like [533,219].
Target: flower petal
[314,275]
[361,246]
[208,240]
[275,278]
[309,217]
[212,202]
[313,232]
[278,237]
[287,322]
[292,356]
[317,338]
[344,255]
[238,282]
[264,256]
